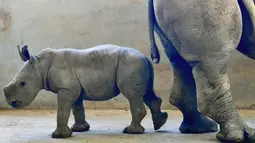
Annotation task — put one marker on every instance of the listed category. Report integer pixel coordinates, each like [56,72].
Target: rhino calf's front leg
[80,124]
[65,101]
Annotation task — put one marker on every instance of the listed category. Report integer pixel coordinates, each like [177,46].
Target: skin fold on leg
[215,100]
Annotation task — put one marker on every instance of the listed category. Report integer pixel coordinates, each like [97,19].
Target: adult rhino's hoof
[232,137]
[237,136]
[64,132]
[201,124]
[159,120]
[133,129]
[80,127]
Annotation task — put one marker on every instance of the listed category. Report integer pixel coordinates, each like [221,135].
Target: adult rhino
[198,37]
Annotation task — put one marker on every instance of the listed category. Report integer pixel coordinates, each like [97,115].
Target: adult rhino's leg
[183,96]
[215,99]
[65,100]
[183,93]
[80,124]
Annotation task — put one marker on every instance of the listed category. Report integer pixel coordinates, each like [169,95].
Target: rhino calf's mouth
[16,104]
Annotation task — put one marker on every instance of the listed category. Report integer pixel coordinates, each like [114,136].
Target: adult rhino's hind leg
[80,124]
[183,93]
[183,96]
[215,99]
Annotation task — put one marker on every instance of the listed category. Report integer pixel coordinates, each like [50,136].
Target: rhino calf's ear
[24,54]
[20,54]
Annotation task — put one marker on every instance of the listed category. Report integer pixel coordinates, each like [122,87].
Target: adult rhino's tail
[154,52]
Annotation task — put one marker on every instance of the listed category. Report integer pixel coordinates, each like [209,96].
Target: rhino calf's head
[27,82]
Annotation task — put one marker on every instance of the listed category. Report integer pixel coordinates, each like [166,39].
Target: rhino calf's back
[102,72]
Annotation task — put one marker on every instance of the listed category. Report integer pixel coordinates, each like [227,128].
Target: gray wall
[86,23]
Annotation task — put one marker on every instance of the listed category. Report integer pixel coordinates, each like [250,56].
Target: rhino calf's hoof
[81,127]
[63,132]
[134,129]
[159,120]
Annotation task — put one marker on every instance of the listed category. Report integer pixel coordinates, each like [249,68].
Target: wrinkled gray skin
[198,37]
[96,74]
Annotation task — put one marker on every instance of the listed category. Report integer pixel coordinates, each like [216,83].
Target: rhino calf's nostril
[14,103]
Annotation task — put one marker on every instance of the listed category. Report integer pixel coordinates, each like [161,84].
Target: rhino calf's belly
[100,95]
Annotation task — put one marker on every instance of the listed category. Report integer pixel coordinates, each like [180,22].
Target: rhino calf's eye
[22,83]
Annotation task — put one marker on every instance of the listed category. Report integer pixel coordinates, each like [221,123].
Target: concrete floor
[35,126]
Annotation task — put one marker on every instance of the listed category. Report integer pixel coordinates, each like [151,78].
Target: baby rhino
[95,74]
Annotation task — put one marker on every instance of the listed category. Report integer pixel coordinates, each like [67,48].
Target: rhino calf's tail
[151,82]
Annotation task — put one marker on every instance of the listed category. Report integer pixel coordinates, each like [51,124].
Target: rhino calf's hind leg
[183,96]
[65,100]
[80,124]
[154,103]
[138,112]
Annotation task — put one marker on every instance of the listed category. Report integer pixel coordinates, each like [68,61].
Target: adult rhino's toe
[200,124]
[236,136]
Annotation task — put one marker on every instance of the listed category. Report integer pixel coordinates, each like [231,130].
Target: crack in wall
[5,20]
[5,23]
